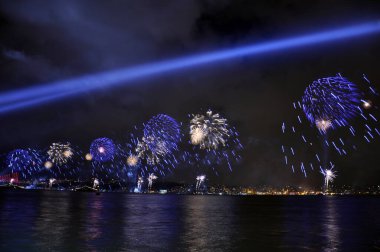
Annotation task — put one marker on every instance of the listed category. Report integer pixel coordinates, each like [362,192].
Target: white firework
[329,175]
[200,179]
[152,149]
[96,183]
[208,131]
[197,136]
[51,182]
[151,178]
[60,153]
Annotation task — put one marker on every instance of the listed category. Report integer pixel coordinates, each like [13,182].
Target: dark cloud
[43,41]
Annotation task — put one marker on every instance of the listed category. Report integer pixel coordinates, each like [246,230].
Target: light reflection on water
[67,221]
[207,224]
[331,226]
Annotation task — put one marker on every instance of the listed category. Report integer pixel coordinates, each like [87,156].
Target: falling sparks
[332,105]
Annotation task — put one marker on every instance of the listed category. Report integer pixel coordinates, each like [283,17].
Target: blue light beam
[27,97]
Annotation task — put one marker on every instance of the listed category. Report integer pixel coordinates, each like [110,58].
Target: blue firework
[19,160]
[163,128]
[27,162]
[331,102]
[102,149]
[161,137]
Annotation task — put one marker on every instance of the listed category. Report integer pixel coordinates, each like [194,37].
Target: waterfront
[75,221]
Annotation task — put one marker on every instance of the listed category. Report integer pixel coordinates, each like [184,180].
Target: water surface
[75,221]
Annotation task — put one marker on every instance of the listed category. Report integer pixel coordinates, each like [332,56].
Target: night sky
[46,41]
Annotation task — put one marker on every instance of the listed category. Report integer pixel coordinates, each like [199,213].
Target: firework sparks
[140,182]
[334,105]
[200,179]
[60,153]
[329,176]
[208,131]
[102,149]
[367,104]
[132,160]
[214,143]
[95,184]
[197,136]
[151,178]
[161,137]
[153,150]
[51,182]
[323,124]
[334,98]
[25,161]
[19,159]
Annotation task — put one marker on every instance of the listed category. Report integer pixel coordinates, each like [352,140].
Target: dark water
[68,221]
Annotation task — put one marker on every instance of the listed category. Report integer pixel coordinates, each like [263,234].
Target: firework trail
[96,184]
[151,178]
[329,176]
[140,181]
[51,182]
[333,114]
[200,179]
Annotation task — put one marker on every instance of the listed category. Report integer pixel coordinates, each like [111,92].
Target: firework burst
[151,178]
[25,161]
[333,100]
[19,159]
[200,179]
[329,176]
[209,131]
[60,153]
[164,128]
[160,140]
[132,160]
[214,143]
[333,113]
[102,149]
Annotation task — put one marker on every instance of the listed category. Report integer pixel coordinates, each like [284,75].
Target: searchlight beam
[39,94]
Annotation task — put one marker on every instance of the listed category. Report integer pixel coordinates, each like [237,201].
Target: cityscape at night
[200,125]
